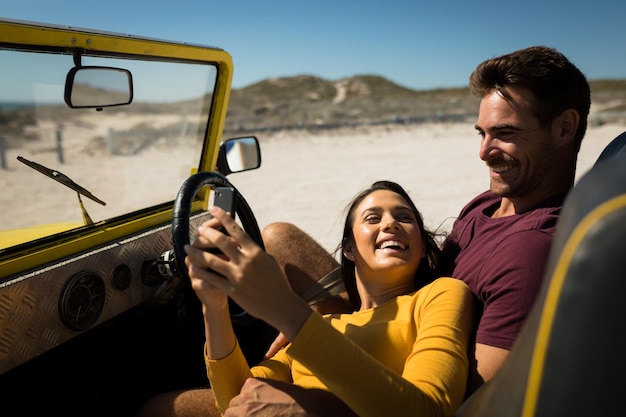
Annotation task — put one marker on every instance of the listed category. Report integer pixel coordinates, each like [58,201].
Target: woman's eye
[372,219]
[407,218]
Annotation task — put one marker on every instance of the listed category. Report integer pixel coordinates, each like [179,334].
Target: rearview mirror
[98,87]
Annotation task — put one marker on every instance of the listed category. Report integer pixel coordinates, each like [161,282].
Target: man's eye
[507,135]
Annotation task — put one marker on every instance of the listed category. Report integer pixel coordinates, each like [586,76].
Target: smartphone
[225,198]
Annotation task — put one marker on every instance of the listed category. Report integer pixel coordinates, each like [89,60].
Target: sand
[305,178]
[308,179]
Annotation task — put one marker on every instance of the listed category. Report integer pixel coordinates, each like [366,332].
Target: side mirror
[98,87]
[238,155]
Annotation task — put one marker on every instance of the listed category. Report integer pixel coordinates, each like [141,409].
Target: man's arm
[484,364]
[510,280]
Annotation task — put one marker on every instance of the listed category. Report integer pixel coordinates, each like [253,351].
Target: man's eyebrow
[504,126]
[507,127]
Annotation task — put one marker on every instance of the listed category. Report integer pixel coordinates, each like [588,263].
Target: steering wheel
[180,226]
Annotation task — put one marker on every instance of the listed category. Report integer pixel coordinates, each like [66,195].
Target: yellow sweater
[405,357]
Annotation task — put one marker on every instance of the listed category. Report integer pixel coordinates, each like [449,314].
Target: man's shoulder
[543,216]
[484,199]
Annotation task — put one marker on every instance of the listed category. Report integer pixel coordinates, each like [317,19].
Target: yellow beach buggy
[111,150]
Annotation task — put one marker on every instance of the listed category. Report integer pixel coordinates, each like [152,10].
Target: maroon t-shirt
[502,261]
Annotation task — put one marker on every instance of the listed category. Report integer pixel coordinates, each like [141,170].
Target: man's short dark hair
[556,83]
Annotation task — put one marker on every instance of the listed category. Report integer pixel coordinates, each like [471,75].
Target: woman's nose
[390,223]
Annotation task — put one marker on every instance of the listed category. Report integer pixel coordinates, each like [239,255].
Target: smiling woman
[366,215]
[404,351]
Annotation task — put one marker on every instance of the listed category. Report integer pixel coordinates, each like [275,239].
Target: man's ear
[565,126]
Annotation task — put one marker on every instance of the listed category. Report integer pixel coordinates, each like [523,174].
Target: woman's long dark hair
[428,269]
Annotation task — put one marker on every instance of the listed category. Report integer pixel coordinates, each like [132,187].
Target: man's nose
[487,146]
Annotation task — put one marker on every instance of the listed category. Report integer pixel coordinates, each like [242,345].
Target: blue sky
[416,44]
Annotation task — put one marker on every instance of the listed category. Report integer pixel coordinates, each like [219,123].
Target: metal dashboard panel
[30,303]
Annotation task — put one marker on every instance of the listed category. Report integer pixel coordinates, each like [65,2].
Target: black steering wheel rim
[180,225]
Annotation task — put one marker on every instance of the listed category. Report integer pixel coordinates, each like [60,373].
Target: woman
[402,352]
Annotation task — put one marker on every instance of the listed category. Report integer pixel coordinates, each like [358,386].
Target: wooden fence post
[59,147]
[3,159]
[111,141]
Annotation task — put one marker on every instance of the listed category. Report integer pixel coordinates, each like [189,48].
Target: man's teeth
[502,168]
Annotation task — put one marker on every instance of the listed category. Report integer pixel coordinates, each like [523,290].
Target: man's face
[519,153]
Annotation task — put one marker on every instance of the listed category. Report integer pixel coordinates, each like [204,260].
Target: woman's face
[386,237]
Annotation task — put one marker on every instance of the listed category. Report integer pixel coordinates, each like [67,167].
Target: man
[532,119]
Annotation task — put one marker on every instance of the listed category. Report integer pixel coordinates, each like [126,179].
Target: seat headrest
[616,147]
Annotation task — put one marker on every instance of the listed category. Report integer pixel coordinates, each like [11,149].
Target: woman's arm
[254,280]
[220,337]
[221,341]
[433,377]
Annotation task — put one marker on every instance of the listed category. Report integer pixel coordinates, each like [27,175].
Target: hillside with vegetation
[309,102]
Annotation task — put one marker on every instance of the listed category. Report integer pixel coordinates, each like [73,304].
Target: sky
[416,44]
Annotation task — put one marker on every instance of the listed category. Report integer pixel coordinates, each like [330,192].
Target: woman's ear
[347,251]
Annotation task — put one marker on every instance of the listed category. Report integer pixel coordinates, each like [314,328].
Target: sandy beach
[308,179]
[305,178]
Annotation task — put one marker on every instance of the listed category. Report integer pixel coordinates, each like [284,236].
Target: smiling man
[532,118]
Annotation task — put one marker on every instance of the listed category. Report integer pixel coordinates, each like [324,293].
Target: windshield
[127,157]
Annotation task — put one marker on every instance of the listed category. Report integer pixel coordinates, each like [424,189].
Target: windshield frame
[30,36]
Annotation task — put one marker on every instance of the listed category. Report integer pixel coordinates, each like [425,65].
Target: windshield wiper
[68,182]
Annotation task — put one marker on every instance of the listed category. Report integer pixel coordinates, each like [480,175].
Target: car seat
[616,147]
[570,358]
